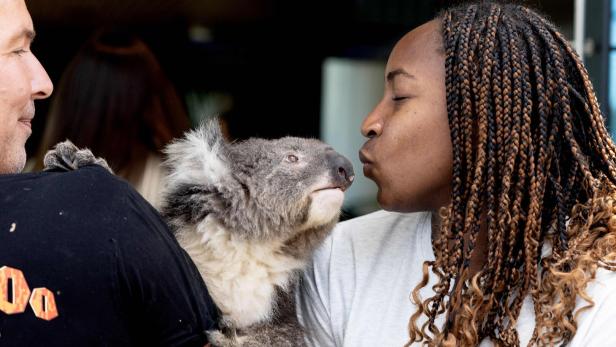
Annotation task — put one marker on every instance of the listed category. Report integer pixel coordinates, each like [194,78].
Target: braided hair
[532,162]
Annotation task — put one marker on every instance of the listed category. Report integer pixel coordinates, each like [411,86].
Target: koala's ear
[200,157]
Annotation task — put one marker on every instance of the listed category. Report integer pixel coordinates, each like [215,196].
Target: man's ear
[200,157]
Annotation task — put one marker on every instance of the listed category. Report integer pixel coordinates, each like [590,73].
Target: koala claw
[68,157]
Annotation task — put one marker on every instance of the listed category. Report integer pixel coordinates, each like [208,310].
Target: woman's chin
[388,203]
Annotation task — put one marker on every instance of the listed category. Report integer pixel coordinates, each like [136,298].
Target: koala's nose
[343,170]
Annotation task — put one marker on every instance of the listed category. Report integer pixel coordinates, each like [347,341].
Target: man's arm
[168,300]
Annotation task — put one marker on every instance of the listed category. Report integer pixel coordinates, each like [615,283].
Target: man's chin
[13,163]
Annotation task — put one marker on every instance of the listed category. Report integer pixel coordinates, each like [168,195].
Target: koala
[249,214]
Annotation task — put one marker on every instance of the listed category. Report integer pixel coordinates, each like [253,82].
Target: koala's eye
[292,158]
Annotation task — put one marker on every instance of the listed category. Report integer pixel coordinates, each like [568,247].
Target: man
[84,260]
[22,80]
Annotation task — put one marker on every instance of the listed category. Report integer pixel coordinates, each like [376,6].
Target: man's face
[409,152]
[22,80]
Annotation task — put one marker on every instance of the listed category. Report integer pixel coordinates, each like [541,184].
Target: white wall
[351,88]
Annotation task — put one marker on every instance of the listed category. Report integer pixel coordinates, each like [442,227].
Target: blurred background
[272,68]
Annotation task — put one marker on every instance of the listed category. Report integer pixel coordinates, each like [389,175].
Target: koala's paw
[217,339]
[68,157]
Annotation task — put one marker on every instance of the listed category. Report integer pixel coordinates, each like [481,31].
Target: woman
[490,133]
[115,99]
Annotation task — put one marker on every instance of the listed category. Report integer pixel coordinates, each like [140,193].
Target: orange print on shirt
[14,294]
[43,304]
[12,281]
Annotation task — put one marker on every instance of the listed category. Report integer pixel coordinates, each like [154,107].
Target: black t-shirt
[113,272]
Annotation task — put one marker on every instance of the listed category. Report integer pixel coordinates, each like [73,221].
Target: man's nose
[41,85]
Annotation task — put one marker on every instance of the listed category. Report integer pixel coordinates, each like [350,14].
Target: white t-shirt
[356,290]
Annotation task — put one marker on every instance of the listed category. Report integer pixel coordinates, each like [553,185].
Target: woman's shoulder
[367,236]
[602,289]
[595,324]
[375,257]
[379,222]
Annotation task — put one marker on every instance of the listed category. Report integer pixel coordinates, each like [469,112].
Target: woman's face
[408,153]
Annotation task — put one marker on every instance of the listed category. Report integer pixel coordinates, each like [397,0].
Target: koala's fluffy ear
[200,157]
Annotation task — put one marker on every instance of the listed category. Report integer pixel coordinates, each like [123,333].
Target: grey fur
[66,156]
[262,198]
[282,331]
[259,194]
[248,200]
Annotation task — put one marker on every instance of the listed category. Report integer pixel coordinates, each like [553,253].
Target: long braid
[451,229]
[510,202]
[533,162]
[507,157]
[608,149]
[484,173]
[496,130]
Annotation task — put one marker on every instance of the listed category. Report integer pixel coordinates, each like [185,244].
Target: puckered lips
[365,159]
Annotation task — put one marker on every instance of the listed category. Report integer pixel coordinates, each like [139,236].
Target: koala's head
[259,189]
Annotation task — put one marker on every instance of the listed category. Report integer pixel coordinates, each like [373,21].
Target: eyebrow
[398,72]
[28,34]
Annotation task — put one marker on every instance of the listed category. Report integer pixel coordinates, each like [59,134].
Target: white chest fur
[241,276]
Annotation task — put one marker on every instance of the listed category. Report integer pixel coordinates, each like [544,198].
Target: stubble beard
[13,154]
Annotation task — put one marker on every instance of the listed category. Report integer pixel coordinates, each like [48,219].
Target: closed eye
[20,52]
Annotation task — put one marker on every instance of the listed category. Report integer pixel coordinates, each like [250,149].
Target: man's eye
[291,158]
[20,52]
[399,98]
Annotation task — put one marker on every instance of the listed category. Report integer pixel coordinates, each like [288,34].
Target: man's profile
[22,80]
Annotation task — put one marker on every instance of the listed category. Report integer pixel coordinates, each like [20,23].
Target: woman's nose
[372,125]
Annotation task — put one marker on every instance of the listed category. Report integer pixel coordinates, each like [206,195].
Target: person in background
[115,99]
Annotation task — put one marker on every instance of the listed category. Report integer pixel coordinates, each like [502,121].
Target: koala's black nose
[343,170]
